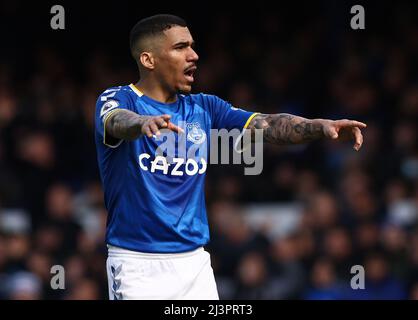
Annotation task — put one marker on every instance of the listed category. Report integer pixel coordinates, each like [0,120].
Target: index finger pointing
[174,128]
[352,123]
[166,117]
[358,124]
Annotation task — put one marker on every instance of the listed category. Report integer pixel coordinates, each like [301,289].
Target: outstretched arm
[285,128]
[128,125]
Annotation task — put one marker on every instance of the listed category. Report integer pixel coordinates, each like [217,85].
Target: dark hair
[152,26]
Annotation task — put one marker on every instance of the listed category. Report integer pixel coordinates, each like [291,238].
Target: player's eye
[183,45]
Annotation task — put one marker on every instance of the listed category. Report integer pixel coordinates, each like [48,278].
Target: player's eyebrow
[183,44]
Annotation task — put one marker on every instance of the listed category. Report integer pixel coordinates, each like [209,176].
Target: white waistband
[121,252]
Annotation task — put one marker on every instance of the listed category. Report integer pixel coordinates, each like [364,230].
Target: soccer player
[157,226]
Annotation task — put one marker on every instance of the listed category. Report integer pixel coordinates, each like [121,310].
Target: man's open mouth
[189,73]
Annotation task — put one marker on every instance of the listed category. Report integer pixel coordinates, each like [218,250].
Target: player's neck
[155,92]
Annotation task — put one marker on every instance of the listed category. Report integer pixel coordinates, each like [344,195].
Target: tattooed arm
[289,129]
[128,125]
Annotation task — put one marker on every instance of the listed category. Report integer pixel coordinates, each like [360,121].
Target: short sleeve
[225,116]
[110,101]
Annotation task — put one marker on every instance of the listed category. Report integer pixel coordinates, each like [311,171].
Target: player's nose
[193,56]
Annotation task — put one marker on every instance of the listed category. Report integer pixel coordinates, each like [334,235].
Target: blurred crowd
[358,208]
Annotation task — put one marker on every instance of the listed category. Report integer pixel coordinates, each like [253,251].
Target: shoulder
[203,99]
[118,92]
[112,98]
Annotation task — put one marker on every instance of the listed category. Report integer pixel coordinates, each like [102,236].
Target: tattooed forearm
[286,129]
[125,124]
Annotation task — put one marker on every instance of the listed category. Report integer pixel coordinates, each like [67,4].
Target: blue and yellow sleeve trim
[105,119]
[249,119]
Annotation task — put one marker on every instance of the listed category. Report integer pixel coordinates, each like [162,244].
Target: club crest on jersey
[195,134]
[109,105]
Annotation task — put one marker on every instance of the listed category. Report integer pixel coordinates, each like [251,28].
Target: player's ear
[147,60]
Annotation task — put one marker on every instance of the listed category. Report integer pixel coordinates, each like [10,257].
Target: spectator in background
[324,283]
[288,275]
[253,278]
[24,286]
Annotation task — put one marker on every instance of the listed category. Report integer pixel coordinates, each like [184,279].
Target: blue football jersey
[154,187]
